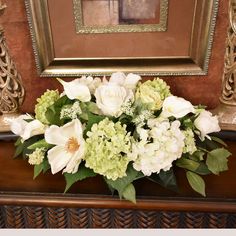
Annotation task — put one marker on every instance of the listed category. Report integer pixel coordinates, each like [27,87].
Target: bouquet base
[40,203]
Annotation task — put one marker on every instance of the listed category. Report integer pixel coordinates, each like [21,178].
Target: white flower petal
[32,128]
[131,81]
[206,124]
[72,129]
[54,136]
[75,160]
[76,90]
[18,124]
[26,129]
[177,107]
[118,78]
[58,158]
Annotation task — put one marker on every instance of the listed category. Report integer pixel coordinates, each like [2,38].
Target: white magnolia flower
[110,97]
[69,149]
[76,90]
[158,148]
[177,107]
[129,82]
[206,124]
[26,129]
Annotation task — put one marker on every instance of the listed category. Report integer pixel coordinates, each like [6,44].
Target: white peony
[76,90]
[27,129]
[206,124]
[69,149]
[177,107]
[110,97]
[164,144]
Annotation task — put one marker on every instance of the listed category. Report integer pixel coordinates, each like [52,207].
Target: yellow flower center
[72,145]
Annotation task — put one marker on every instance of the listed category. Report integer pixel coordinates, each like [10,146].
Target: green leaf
[93,119]
[218,140]
[197,156]
[18,141]
[187,164]
[19,150]
[203,169]
[82,173]
[53,112]
[28,120]
[46,165]
[195,166]
[40,144]
[166,179]
[129,193]
[217,160]
[121,183]
[92,107]
[207,144]
[196,182]
[38,169]
[22,148]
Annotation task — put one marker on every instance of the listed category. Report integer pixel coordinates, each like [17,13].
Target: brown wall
[198,89]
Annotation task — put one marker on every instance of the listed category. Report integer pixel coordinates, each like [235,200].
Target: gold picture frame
[194,63]
[161,26]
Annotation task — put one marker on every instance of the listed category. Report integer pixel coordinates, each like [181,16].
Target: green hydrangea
[107,147]
[189,141]
[37,156]
[153,92]
[45,101]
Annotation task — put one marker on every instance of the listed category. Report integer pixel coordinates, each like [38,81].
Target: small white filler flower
[69,149]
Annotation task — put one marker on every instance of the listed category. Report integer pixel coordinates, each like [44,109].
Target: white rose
[206,124]
[129,82]
[110,97]
[76,90]
[90,82]
[177,107]
[26,129]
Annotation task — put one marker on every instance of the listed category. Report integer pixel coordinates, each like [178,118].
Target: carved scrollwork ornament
[12,92]
[226,111]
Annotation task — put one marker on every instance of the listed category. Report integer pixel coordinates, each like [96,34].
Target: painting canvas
[110,16]
[116,12]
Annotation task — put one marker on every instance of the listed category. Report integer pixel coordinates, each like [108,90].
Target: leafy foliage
[166,179]
[217,160]
[40,144]
[82,173]
[22,148]
[196,182]
[53,112]
[121,184]
[43,167]
[194,166]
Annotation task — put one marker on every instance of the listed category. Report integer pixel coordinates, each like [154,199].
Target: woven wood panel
[38,217]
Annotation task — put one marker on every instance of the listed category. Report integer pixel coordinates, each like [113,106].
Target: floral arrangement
[123,130]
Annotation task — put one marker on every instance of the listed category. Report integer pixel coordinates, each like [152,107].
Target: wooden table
[40,203]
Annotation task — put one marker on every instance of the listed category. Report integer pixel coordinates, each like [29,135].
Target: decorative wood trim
[88,201]
[36,217]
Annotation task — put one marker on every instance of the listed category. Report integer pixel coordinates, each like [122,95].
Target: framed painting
[99,37]
[110,16]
